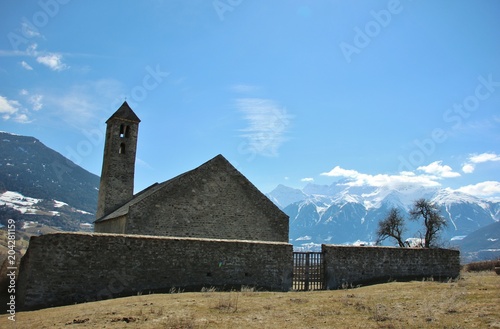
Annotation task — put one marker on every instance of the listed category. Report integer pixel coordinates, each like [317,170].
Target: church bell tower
[118,166]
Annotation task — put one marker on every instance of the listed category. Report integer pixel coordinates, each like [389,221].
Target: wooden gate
[308,271]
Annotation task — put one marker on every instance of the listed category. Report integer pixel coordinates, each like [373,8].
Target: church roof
[216,163]
[125,113]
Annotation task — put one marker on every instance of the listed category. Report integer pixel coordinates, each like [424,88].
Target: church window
[122,148]
[124,131]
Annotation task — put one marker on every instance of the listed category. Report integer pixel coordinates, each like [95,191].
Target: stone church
[208,227]
[213,201]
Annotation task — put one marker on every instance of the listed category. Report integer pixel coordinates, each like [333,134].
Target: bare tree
[433,221]
[392,226]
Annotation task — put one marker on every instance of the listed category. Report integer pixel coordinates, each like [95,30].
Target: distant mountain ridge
[483,244]
[63,191]
[343,214]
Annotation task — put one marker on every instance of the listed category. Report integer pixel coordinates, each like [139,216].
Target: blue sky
[290,92]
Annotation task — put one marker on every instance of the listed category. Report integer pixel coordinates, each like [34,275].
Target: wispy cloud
[36,102]
[29,30]
[82,106]
[143,164]
[475,159]
[85,104]
[244,88]
[438,170]
[26,66]
[268,124]
[307,179]
[53,61]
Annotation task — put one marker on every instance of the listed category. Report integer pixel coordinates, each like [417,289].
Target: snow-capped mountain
[343,214]
[283,195]
[39,184]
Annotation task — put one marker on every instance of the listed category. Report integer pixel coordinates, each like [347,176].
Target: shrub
[488,265]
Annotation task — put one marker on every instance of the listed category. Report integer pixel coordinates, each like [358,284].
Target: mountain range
[38,184]
[344,214]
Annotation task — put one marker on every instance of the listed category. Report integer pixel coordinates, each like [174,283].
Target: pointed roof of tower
[125,113]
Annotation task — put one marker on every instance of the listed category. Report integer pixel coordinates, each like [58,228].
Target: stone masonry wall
[115,225]
[354,265]
[214,201]
[67,268]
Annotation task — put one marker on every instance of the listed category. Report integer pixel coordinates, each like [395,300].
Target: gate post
[306,273]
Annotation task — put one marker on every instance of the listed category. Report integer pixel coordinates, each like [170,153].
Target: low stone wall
[67,268]
[346,265]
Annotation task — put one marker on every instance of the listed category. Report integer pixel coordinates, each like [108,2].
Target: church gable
[212,201]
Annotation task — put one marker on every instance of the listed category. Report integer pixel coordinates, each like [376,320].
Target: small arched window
[124,131]
[122,148]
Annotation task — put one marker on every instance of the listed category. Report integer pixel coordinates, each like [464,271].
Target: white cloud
[440,171]
[21,118]
[380,180]
[307,179]
[470,166]
[340,172]
[484,157]
[484,189]
[267,125]
[8,107]
[53,61]
[12,110]
[26,66]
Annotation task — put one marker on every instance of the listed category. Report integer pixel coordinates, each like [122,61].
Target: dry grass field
[473,301]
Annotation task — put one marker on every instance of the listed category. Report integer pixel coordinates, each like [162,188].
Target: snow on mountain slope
[344,214]
[18,201]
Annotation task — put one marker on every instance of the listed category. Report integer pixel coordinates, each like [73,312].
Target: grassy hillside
[470,302]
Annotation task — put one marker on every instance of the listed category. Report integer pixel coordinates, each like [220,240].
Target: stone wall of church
[346,265]
[67,268]
[114,225]
[214,201]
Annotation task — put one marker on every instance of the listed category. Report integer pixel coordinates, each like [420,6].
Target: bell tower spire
[118,166]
